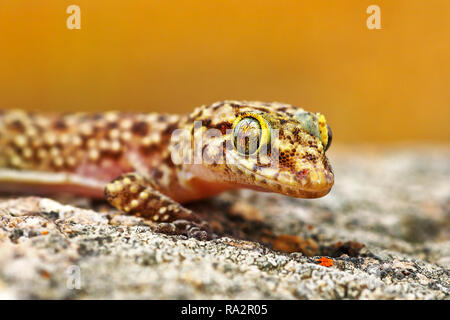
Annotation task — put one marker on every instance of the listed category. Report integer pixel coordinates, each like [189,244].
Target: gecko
[151,164]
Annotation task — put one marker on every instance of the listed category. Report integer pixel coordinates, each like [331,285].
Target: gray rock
[395,203]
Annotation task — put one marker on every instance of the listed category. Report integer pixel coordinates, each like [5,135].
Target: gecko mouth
[305,184]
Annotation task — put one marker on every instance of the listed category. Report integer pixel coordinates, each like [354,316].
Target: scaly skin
[144,167]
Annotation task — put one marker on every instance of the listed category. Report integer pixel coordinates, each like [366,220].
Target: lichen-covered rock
[384,227]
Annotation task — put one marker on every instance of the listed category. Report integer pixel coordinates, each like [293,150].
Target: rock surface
[385,228]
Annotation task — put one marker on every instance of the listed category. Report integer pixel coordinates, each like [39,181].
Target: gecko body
[149,164]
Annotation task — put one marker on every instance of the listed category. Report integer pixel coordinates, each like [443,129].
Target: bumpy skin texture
[147,164]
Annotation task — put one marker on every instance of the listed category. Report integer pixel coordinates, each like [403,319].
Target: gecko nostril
[303,173]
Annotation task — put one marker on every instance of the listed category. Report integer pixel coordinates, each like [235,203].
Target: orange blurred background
[383,85]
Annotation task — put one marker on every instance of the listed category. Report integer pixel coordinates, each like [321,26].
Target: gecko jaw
[295,186]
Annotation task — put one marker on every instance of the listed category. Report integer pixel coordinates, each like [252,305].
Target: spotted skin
[134,194]
[147,164]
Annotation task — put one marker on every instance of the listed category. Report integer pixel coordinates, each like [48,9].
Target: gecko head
[270,147]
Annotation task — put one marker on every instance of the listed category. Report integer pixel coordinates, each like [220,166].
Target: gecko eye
[330,137]
[247,135]
[325,134]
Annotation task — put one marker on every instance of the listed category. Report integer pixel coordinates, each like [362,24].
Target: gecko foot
[134,194]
